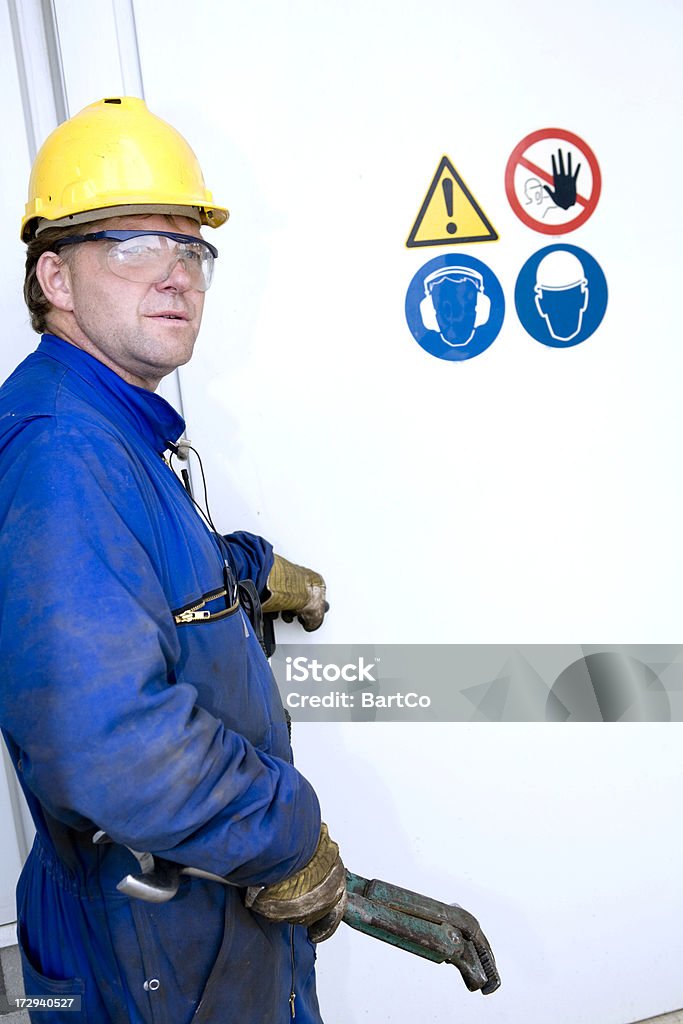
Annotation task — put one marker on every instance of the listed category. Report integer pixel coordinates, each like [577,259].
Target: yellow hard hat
[115,154]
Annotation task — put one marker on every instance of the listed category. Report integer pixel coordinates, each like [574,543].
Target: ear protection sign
[457,275]
[454,307]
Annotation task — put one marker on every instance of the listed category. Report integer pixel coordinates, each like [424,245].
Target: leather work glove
[315,895]
[294,589]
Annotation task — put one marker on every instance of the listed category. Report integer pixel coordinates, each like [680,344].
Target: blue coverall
[123,713]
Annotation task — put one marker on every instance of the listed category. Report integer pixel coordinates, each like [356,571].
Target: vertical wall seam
[54,57]
[33,23]
[129,50]
[22,78]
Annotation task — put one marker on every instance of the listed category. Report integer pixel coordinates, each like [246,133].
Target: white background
[531,495]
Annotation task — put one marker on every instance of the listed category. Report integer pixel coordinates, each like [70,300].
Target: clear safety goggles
[149,257]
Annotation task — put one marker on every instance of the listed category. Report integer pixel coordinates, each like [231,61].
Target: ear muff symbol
[428,314]
[457,275]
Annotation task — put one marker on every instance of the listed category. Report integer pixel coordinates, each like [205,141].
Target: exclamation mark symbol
[447,186]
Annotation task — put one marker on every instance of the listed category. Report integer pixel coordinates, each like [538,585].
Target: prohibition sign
[534,160]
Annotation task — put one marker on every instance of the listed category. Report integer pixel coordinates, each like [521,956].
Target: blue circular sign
[561,295]
[455,307]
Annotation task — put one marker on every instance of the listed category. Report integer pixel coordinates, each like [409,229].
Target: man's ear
[54,278]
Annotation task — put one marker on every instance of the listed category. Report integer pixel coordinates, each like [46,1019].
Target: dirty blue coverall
[120,715]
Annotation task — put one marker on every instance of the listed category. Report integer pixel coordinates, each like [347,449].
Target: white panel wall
[529,495]
[534,488]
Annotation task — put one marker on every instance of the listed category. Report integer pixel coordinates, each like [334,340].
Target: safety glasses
[149,257]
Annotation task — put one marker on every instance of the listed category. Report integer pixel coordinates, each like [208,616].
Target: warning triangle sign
[450,215]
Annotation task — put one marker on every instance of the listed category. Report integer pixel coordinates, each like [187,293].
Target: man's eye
[135,251]
[190,255]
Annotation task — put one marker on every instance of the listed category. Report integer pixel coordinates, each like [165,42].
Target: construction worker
[135,698]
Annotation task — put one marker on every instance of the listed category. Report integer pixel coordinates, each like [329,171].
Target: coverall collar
[148,413]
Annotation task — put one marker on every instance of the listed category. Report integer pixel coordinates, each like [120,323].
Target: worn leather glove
[294,589]
[316,893]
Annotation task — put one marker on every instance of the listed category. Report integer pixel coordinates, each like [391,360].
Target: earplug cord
[181,450]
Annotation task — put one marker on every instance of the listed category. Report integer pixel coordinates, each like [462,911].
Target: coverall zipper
[197,612]
[292,994]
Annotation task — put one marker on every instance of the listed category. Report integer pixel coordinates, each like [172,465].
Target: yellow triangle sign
[450,215]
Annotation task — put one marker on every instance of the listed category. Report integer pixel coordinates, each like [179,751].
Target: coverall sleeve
[252,555]
[89,653]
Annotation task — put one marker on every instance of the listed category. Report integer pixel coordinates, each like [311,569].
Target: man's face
[141,331]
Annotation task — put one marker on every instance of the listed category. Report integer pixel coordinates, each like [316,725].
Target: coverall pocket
[54,999]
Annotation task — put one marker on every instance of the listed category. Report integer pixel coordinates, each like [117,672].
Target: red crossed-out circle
[587,205]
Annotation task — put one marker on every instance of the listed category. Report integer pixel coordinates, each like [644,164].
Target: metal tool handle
[436,931]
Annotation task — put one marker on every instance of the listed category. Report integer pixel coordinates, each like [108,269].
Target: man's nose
[178,279]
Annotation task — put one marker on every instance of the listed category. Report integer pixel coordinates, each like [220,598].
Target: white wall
[535,488]
[526,496]
[563,840]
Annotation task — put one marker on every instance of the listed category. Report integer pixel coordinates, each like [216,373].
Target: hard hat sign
[561,296]
[455,307]
[553,181]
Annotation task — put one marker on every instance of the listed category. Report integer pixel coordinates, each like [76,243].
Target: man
[134,696]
